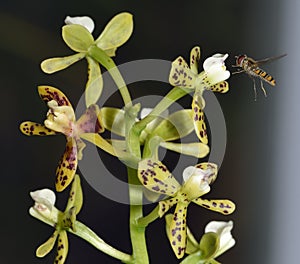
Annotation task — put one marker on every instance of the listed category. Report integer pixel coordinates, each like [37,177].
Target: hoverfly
[251,67]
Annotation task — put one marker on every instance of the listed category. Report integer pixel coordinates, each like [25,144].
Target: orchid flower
[45,211]
[212,78]
[216,240]
[156,177]
[61,119]
[77,34]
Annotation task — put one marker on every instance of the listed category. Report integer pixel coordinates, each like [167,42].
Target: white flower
[223,229]
[85,21]
[44,208]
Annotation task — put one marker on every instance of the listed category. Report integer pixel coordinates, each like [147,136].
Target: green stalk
[100,56]
[87,234]
[152,216]
[137,232]
[175,94]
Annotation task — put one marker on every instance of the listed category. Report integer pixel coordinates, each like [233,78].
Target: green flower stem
[144,221]
[137,232]
[87,234]
[100,56]
[175,94]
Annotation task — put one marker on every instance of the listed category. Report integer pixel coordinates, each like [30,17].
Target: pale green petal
[198,150]
[46,247]
[113,120]
[191,243]
[94,84]
[57,64]
[75,197]
[177,125]
[209,245]
[62,248]
[77,37]
[116,33]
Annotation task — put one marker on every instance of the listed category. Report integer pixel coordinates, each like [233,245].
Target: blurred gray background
[260,168]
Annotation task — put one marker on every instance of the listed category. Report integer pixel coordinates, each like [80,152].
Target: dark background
[259,171]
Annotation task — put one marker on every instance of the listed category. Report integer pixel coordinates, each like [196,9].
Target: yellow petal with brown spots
[221,87]
[181,75]
[178,230]
[35,129]
[198,119]
[49,93]
[156,177]
[212,167]
[62,247]
[194,59]
[165,205]
[67,166]
[221,206]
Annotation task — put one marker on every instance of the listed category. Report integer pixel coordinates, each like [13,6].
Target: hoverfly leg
[263,88]
[238,71]
[254,88]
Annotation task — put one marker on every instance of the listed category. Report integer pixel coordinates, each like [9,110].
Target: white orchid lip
[215,60]
[84,21]
[44,199]
[223,229]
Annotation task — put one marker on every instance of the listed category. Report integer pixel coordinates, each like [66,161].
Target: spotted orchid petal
[67,166]
[90,121]
[221,87]
[194,59]
[156,177]
[77,37]
[60,63]
[49,93]
[178,229]
[62,247]
[181,75]
[35,129]
[116,33]
[94,84]
[225,207]
[76,197]
[198,118]
[223,229]
[165,205]
[46,247]
[85,21]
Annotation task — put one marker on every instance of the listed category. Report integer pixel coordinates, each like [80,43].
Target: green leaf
[113,120]
[57,64]
[198,150]
[94,84]
[177,125]
[116,33]
[209,245]
[77,37]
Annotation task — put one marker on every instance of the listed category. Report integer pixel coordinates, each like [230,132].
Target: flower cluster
[138,147]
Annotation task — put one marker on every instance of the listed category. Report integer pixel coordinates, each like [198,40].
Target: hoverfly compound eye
[239,59]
